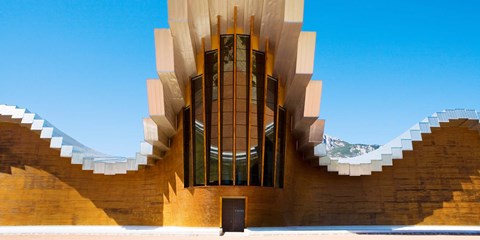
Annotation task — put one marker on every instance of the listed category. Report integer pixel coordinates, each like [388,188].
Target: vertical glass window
[198,128]
[242,95]
[282,117]
[227,103]
[216,150]
[270,119]
[186,147]
[256,117]
[211,113]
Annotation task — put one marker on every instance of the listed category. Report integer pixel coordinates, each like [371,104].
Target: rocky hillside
[338,148]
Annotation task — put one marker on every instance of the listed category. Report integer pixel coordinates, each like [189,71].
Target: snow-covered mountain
[341,149]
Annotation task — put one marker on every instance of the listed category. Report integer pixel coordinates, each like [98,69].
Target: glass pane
[227,52]
[281,147]
[241,140]
[242,79]
[227,40]
[211,116]
[242,93]
[256,120]
[227,62]
[258,65]
[227,103]
[243,41]
[270,118]
[198,126]
[242,54]
[186,147]
[241,166]
[242,66]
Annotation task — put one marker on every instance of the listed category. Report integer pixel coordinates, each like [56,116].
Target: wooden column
[234,152]
[203,116]
[219,93]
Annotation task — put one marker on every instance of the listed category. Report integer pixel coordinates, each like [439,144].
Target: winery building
[234,140]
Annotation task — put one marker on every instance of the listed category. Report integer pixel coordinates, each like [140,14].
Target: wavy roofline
[364,164]
[373,161]
[90,159]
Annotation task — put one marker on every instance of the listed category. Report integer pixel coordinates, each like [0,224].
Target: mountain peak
[338,148]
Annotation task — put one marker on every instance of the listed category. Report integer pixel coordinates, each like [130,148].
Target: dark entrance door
[233,214]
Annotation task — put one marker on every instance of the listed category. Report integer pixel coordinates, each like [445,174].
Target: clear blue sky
[386,65]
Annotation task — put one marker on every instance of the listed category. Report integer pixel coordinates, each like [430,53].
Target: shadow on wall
[37,186]
[436,183]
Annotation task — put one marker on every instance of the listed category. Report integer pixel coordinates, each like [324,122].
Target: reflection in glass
[226,96]
[186,147]
[282,117]
[242,92]
[256,117]
[198,126]
[270,115]
[254,109]
[211,111]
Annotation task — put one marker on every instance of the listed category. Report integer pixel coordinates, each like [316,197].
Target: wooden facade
[436,183]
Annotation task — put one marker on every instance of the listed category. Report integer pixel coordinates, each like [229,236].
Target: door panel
[233,214]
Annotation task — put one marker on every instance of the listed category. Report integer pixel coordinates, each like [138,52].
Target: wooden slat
[308,107]
[199,24]
[184,56]
[272,23]
[253,8]
[165,63]
[312,137]
[159,107]
[304,69]
[219,100]
[155,136]
[288,40]
[218,8]
[205,127]
[234,152]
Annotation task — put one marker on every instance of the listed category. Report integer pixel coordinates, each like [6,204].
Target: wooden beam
[199,25]
[164,53]
[272,23]
[307,110]
[288,40]
[313,136]
[304,69]
[184,56]
[219,109]
[159,107]
[154,135]
[234,152]
[205,127]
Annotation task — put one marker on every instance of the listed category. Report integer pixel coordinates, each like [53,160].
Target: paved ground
[274,233]
[235,237]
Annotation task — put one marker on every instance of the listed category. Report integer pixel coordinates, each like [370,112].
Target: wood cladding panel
[37,187]
[439,172]
[436,183]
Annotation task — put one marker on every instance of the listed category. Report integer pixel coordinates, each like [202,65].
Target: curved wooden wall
[436,183]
